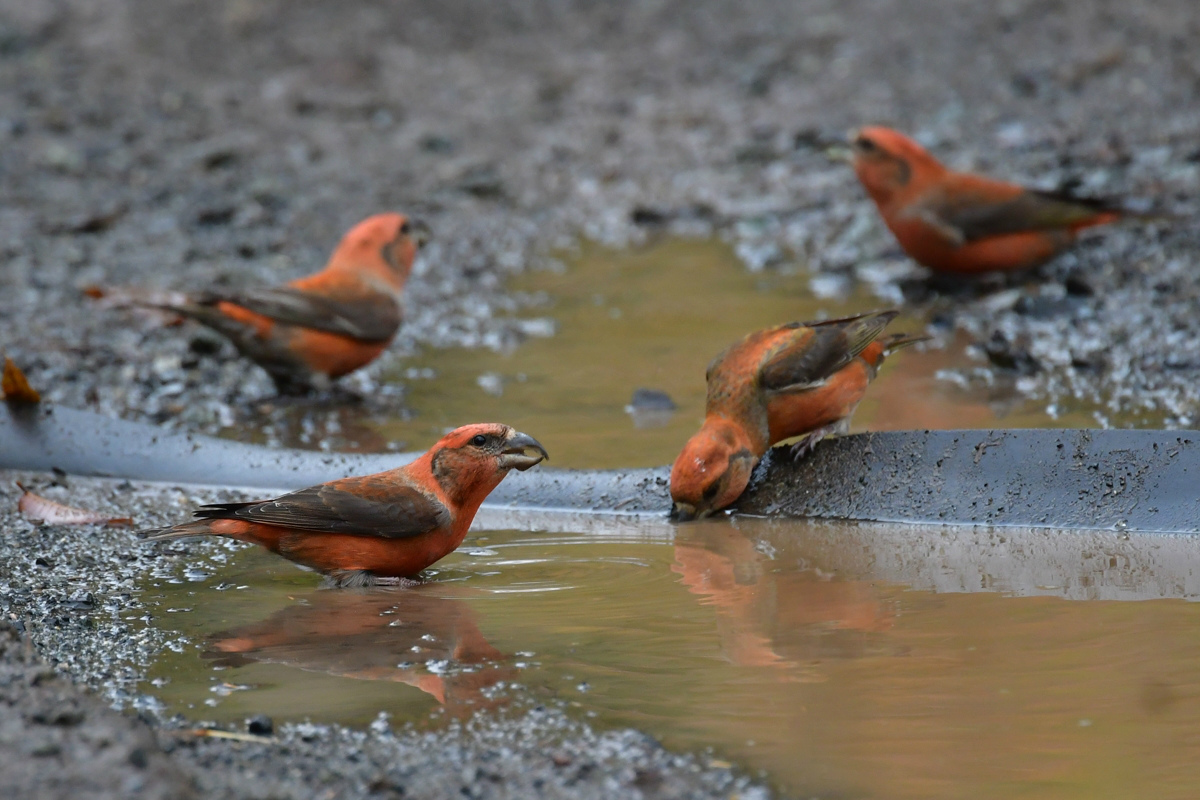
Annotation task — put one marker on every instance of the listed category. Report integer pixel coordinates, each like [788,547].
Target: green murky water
[843,660]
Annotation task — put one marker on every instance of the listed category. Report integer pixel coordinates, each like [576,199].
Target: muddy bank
[177,144]
[59,741]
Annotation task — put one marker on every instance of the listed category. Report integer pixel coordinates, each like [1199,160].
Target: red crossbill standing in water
[956,222]
[316,329]
[802,379]
[388,525]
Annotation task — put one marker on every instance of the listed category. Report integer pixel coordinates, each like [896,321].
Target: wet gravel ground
[174,144]
[70,608]
[56,741]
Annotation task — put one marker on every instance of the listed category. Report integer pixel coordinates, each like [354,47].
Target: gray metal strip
[1144,480]
[1135,480]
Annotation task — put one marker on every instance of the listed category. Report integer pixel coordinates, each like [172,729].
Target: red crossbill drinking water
[801,379]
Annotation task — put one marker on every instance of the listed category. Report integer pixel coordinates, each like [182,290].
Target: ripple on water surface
[845,660]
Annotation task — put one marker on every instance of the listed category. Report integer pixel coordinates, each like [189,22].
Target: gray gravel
[56,741]
[176,143]
[539,755]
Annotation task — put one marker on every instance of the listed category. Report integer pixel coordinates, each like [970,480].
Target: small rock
[481,180]
[1010,355]
[650,408]
[647,216]
[650,400]
[492,383]
[260,725]
[435,143]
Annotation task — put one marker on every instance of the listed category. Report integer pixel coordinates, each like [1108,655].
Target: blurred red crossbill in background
[956,222]
[316,329]
[388,525]
[802,379]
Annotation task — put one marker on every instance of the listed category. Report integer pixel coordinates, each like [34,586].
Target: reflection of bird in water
[778,619]
[408,636]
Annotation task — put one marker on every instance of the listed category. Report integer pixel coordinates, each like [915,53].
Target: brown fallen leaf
[132,296]
[40,509]
[16,387]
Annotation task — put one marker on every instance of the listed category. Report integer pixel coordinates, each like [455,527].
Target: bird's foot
[358,579]
[809,441]
[401,583]
[307,394]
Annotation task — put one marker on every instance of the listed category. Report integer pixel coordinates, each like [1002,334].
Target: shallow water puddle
[652,319]
[844,660]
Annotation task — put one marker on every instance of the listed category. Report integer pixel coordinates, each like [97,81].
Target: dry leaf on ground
[50,512]
[16,387]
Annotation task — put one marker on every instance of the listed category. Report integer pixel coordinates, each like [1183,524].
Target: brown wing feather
[978,215]
[373,318]
[833,345]
[393,512]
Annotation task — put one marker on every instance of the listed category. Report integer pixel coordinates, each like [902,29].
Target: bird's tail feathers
[863,329]
[887,315]
[1110,208]
[897,341]
[197,528]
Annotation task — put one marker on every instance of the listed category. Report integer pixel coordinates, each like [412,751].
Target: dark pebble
[260,725]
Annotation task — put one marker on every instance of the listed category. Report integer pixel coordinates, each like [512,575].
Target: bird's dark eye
[405,228]
[864,144]
[479,440]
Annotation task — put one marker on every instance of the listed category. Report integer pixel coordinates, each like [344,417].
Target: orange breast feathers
[797,413]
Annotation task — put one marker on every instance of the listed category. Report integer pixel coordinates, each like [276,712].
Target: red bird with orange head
[314,330]
[388,525]
[956,222]
[802,379]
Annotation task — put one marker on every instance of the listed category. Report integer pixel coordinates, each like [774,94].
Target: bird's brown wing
[971,213]
[391,512]
[833,344]
[372,318]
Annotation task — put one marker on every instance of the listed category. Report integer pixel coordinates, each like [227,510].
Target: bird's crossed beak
[843,151]
[516,455]
[840,153]
[686,512]
[420,232]
[682,512]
